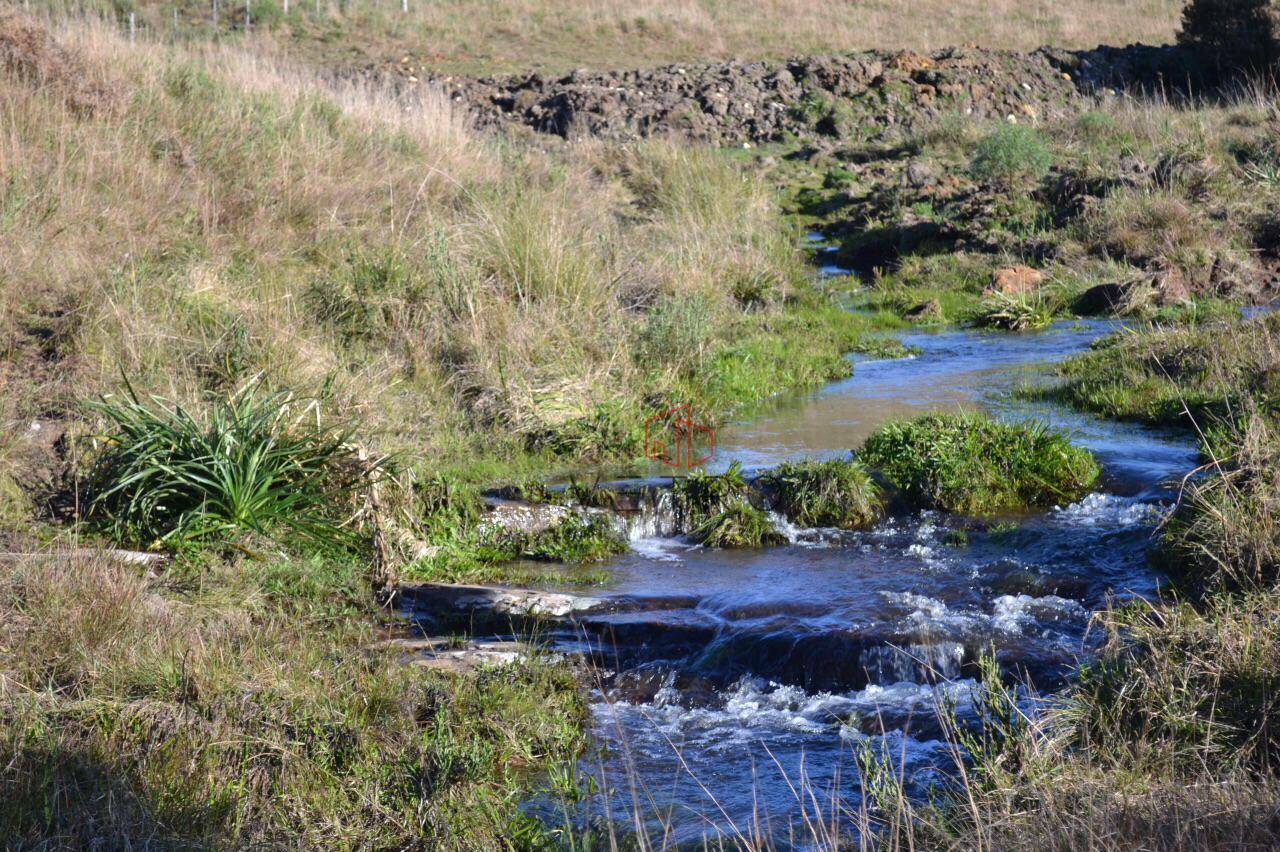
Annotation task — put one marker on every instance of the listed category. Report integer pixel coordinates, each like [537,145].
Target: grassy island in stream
[974,465]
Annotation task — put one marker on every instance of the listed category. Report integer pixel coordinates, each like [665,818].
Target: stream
[738,686]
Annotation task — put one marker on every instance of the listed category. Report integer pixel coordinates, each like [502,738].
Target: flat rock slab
[497,600]
[444,654]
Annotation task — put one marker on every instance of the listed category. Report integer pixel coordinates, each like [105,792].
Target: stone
[920,175]
[1016,280]
[1101,299]
[930,311]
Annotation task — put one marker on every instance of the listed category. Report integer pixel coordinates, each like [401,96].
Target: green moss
[837,493]
[971,464]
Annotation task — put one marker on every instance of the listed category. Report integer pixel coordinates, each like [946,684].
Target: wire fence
[203,18]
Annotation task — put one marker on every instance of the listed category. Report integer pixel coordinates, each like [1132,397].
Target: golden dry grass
[485,36]
[229,215]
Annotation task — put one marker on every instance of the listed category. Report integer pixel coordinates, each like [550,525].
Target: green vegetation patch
[837,493]
[701,496]
[1199,682]
[255,463]
[1027,312]
[742,525]
[1011,152]
[456,543]
[972,464]
[1160,375]
[768,353]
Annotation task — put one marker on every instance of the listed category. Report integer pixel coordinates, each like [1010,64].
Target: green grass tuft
[1016,313]
[700,496]
[971,464]
[837,493]
[255,463]
[742,525]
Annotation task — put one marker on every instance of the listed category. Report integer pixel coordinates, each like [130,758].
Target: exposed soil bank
[856,94]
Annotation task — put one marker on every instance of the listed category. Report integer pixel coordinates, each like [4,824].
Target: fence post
[132,28]
[215,15]
[404,6]
[286,7]
[248,21]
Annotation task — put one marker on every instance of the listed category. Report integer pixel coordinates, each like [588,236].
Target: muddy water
[739,686]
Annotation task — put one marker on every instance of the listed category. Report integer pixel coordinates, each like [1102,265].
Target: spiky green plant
[252,463]
[836,493]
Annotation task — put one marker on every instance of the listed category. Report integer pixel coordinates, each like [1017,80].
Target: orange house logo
[674,438]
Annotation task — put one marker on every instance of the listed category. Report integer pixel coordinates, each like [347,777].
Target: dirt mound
[852,95]
[29,53]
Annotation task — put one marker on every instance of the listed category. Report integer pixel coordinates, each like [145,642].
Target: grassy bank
[193,220]
[245,703]
[1180,377]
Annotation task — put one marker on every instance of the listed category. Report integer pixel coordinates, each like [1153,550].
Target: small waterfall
[919,663]
[652,515]
[780,523]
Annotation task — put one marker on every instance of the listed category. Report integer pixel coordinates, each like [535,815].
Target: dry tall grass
[220,215]
[480,36]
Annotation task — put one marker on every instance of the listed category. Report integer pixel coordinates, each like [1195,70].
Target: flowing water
[739,686]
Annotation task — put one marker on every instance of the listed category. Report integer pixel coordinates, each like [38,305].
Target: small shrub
[757,288]
[1095,126]
[972,464]
[742,525]
[838,493]
[254,464]
[1011,153]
